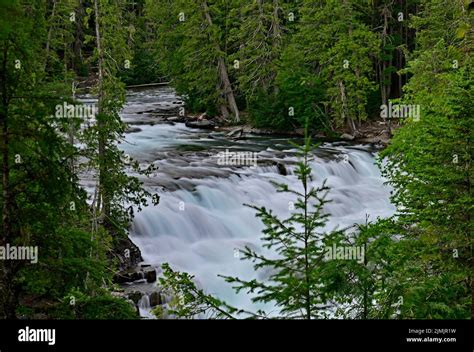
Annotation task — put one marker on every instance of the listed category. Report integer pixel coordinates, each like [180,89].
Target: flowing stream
[201,221]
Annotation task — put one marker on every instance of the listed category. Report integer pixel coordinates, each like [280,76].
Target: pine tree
[258,41]
[199,59]
[336,45]
[257,45]
[42,202]
[23,151]
[115,187]
[429,163]
[61,20]
[295,287]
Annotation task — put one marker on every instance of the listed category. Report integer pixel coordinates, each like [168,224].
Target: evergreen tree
[429,163]
[42,202]
[199,60]
[36,186]
[335,44]
[61,20]
[115,187]
[259,41]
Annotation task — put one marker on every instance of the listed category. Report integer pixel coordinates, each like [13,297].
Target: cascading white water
[202,222]
[144,307]
[200,231]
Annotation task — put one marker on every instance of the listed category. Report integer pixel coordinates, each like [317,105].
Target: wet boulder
[203,124]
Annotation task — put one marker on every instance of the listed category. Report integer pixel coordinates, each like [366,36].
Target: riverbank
[372,131]
[375,132]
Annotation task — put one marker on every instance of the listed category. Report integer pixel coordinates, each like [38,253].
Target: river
[201,221]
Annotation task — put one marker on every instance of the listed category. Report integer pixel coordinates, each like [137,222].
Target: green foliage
[188,301]
[292,63]
[279,54]
[70,255]
[397,279]
[191,56]
[336,46]
[115,187]
[77,305]
[299,98]
[42,202]
[429,163]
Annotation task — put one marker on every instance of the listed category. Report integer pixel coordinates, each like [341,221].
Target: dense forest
[319,70]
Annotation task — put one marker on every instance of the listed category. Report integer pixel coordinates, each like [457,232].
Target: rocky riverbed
[201,221]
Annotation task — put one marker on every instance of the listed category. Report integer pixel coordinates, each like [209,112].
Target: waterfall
[144,307]
[201,222]
[201,230]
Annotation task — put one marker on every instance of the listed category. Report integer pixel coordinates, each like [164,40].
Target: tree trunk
[5,175]
[385,89]
[103,198]
[345,116]
[276,35]
[307,268]
[222,103]
[50,30]
[472,297]
[8,269]
[79,37]
[5,152]
[226,89]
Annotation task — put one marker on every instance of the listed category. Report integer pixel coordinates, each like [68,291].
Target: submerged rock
[147,273]
[175,119]
[150,274]
[133,130]
[155,299]
[127,276]
[282,169]
[347,137]
[204,124]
